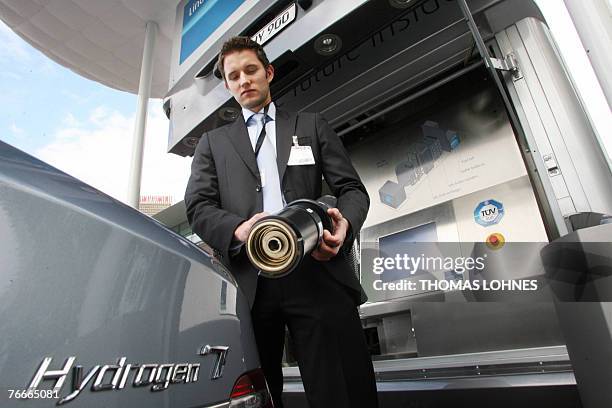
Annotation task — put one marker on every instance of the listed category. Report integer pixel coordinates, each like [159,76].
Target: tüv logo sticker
[489,212]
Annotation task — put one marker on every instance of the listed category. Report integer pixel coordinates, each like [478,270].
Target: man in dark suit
[244,170]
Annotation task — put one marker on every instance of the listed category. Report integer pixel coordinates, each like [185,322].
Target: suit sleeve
[342,178]
[202,200]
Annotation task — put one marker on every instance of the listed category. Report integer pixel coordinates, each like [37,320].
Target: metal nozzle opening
[277,243]
[272,247]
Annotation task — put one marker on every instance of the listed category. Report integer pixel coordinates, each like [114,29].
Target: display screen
[405,241]
[200,19]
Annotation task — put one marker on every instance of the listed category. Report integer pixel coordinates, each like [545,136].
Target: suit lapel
[285,128]
[239,136]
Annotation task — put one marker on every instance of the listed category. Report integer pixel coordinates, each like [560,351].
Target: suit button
[258,188]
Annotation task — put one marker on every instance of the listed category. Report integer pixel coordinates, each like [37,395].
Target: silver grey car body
[83,276]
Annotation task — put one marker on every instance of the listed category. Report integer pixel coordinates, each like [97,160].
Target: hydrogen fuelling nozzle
[277,243]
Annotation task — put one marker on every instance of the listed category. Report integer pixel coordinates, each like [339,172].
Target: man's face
[247,80]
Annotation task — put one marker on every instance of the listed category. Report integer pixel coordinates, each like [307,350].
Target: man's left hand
[331,243]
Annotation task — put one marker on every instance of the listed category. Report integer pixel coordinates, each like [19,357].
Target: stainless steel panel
[539,376]
[497,358]
[454,328]
[557,120]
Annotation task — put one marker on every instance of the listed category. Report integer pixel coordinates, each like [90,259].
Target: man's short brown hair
[238,44]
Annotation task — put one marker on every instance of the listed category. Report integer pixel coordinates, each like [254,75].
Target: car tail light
[251,391]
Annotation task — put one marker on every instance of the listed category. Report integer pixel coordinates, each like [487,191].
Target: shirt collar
[246,113]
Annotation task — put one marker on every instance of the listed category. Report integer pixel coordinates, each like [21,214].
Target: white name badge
[300,156]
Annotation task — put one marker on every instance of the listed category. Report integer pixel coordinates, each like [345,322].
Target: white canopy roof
[102,40]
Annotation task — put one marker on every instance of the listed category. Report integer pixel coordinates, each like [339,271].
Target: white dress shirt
[273,199]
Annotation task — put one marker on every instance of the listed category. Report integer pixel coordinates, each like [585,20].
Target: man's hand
[241,233]
[331,243]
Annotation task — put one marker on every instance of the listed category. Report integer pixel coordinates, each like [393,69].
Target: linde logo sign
[194,6]
[115,376]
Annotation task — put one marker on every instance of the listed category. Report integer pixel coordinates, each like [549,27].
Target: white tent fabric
[101,40]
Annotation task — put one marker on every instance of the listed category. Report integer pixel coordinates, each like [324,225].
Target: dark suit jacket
[224,189]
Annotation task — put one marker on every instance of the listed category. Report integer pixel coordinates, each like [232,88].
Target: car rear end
[102,306]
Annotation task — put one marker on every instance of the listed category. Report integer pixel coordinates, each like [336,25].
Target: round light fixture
[191,141]
[228,113]
[400,4]
[328,44]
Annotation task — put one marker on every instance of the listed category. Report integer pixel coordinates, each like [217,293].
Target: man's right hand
[241,233]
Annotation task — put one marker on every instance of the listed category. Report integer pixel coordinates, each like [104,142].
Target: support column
[592,20]
[144,92]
